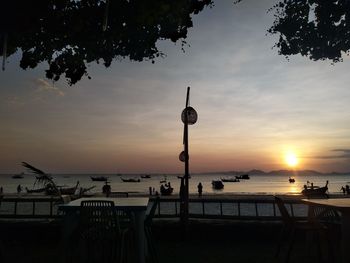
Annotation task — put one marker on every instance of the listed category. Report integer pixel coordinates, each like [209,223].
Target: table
[137,206]
[343,206]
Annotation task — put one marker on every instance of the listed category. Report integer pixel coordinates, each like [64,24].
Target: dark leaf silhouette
[69,34]
[317,29]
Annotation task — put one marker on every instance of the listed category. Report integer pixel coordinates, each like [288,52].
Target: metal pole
[186,192]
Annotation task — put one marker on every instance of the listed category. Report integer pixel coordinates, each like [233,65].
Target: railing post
[15,207]
[33,207]
[239,208]
[256,209]
[220,208]
[51,208]
[159,207]
[291,209]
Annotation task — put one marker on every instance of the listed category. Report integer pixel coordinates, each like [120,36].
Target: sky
[254,106]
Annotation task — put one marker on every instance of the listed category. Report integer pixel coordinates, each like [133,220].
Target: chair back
[323,214]
[152,212]
[98,212]
[286,218]
[100,239]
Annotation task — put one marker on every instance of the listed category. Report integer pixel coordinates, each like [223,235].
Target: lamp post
[189,117]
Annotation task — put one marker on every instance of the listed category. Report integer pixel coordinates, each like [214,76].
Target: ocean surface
[257,184]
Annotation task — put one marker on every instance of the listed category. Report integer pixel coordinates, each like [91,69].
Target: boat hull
[218,185]
[99,179]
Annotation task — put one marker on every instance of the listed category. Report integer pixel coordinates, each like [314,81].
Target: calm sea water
[262,184]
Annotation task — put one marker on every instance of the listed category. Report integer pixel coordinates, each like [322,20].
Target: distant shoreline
[255,172]
[191,195]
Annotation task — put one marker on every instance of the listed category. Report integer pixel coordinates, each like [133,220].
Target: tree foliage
[69,34]
[317,29]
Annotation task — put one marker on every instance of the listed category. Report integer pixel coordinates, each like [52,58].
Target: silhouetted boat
[166,190]
[18,176]
[230,180]
[146,176]
[311,190]
[243,176]
[131,180]
[163,181]
[291,180]
[217,184]
[99,178]
[39,190]
[63,190]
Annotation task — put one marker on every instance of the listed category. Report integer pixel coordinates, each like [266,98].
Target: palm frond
[42,177]
[32,168]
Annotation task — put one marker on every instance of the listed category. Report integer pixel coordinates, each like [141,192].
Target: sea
[257,184]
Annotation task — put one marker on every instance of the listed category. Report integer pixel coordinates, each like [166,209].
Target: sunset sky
[255,107]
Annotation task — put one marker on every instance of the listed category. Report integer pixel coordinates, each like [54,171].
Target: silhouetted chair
[311,228]
[332,220]
[152,251]
[101,239]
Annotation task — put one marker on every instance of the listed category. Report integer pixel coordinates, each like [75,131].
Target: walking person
[200,189]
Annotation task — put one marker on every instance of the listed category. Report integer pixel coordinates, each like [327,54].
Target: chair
[101,239]
[148,232]
[291,226]
[332,220]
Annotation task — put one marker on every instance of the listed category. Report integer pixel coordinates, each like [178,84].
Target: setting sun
[291,159]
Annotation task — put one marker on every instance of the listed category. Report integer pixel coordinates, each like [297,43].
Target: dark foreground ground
[205,242]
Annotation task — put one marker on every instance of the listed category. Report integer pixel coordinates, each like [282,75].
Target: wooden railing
[29,207]
[236,208]
[207,208]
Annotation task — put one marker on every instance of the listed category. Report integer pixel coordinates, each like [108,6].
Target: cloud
[346,153]
[44,86]
[343,154]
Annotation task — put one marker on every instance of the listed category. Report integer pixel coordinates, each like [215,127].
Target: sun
[291,159]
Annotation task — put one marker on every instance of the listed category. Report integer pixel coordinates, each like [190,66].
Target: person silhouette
[19,189]
[343,189]
[106,189]
[200,189]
